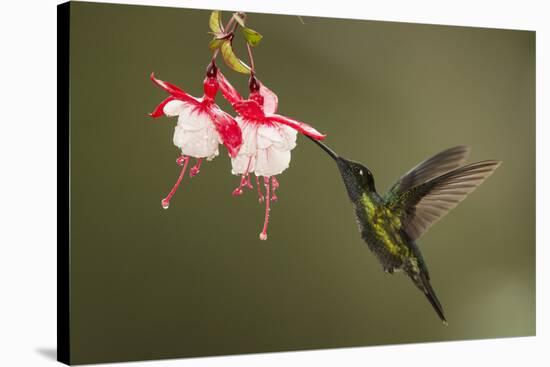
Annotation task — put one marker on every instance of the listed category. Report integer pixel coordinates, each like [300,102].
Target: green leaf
[215,44]
[215,22]
[232,60]
[252,37]
[239,19]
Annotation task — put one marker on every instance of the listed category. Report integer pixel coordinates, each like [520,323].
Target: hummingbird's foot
[263,234]
[196,168]
[181,161]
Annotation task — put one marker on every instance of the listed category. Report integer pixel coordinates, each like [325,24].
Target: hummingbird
[391,224]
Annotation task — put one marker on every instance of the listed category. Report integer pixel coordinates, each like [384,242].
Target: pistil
[263,235]
[181,161]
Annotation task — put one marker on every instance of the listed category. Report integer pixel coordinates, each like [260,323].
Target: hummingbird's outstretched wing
[423,205]
[437,165]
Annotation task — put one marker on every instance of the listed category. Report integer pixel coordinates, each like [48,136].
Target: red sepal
[229,92]
[299,126]
[173,90]
[159,110]
[228,129]
[249,110]
[271,101]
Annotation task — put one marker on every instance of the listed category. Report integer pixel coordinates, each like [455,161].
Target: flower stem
[227,32]
[251,58]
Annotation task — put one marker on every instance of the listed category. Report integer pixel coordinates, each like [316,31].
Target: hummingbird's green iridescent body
[380,229]
[391,224]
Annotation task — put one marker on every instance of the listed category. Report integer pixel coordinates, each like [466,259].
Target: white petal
[281,136]
[271,161]
[199,143]
[250,137]
[267,135]
[289,137]
[173,108]
[192,120]
[242,163]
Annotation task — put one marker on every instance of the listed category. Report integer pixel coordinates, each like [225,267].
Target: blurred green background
[195,280]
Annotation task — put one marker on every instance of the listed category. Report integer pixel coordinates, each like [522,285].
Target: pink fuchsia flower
[201,125]
[268,139]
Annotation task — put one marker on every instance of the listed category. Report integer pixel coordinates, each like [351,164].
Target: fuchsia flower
[268,139]
[201,125]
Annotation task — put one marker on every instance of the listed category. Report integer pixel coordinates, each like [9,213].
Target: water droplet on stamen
[263,236]
[165,204]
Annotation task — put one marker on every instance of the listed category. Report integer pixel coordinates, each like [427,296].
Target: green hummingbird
[391,224]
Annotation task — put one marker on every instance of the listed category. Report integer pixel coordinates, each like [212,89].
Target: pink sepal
[229,92]
[173,90]
[299,126]
[228,129]
[250,110]
[159,110]
[271,101]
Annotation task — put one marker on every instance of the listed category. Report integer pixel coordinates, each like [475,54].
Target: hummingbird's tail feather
[323,146]
[423,283]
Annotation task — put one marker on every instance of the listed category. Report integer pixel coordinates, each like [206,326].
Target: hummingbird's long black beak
[323,146]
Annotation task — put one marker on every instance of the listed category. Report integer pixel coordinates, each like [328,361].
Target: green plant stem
[251,58]
[231,23]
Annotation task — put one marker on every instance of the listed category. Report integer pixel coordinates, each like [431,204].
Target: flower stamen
[260,195]
[248,183]
[196,168]
[263,235]
[245,181]
[274,186]
[239,190]
[181,161]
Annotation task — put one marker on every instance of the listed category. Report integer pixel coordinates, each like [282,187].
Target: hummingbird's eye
[361,172]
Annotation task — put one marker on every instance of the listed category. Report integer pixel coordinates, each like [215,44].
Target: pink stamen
[263,235]
[196,168]
[180,161]
[274,186]
[260,195]
[245,181]
[239,190]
